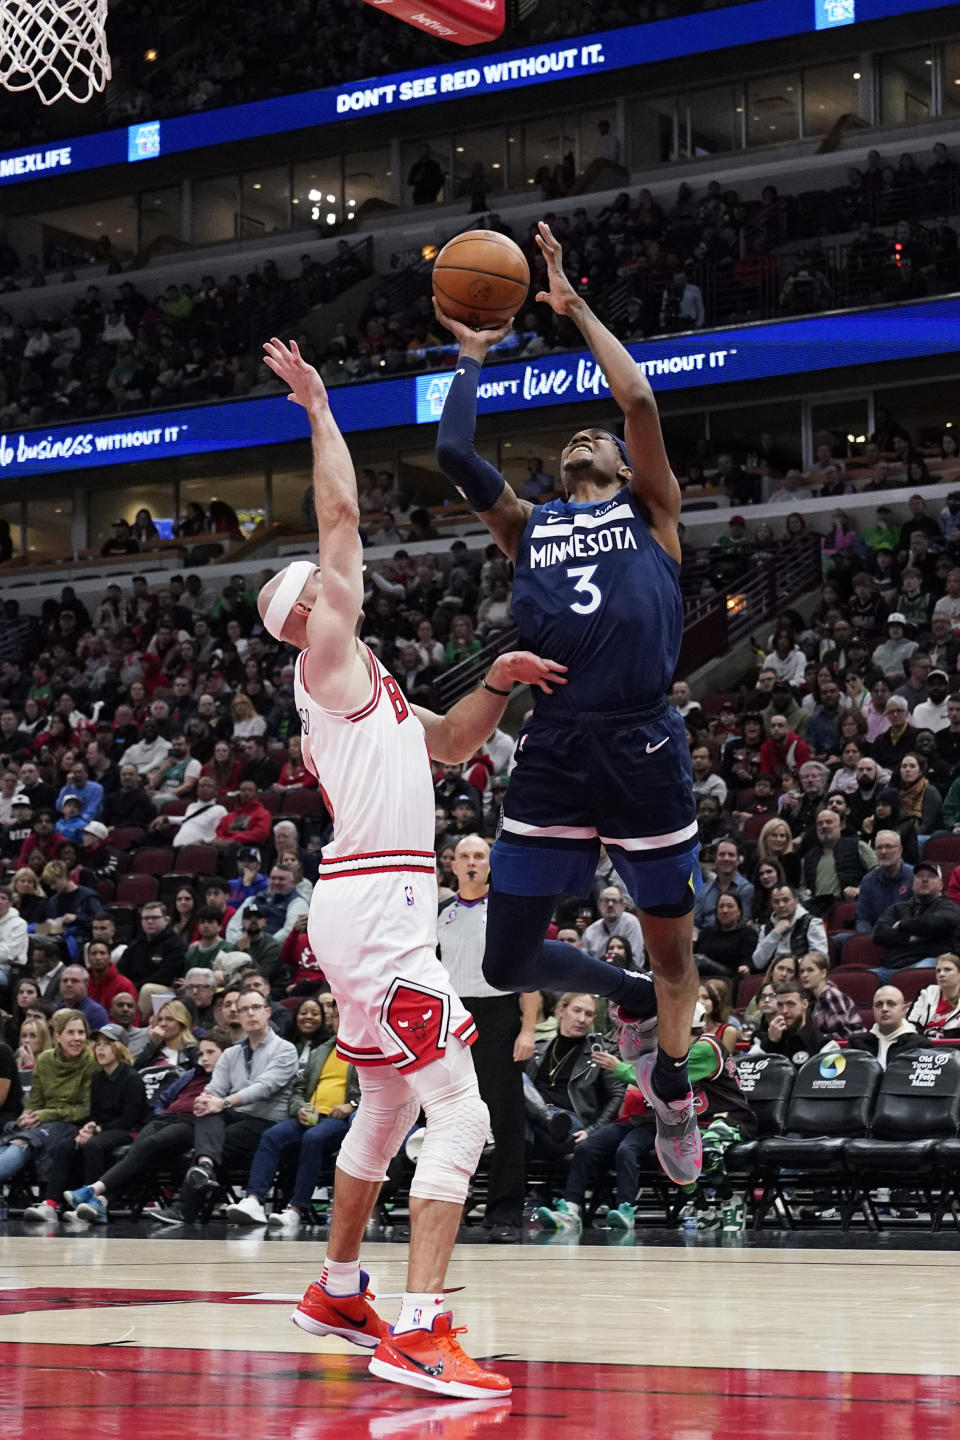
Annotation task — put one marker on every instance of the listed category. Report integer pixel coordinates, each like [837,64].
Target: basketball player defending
[604,759]
[373,925]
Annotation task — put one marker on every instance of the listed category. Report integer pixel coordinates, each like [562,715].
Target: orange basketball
[481,278]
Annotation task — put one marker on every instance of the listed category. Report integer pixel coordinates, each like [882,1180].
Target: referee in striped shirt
[505,1035]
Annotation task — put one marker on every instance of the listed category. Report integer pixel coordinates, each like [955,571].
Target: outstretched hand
[520,667]
[480,340]
[306,387]
[561,294]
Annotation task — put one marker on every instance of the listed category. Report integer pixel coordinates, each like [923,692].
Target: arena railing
[714,624]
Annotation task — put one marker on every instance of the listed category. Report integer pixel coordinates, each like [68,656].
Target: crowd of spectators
[127,350]
[714,258]
[159,837]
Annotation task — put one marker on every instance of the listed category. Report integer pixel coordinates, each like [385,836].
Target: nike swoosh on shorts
[652,748]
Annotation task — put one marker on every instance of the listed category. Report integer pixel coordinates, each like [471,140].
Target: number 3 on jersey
[583,574]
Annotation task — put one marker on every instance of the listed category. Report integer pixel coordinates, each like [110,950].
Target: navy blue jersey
[594,591]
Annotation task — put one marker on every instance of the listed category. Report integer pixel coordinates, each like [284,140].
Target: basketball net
[56,47]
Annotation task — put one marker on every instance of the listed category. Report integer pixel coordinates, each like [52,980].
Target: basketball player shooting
[373,924]
[604,759]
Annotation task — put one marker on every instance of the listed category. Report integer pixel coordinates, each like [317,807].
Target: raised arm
[653,482]
[459,734]
[480,484]
[335,672]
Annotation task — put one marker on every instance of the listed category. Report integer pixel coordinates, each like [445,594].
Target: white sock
[574,1206]
[341,1277]
[418,1310]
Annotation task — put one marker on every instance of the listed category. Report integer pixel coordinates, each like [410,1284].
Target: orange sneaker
[433,1360]
[352,1317]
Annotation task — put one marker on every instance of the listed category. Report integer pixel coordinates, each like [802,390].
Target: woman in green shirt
[59,1103]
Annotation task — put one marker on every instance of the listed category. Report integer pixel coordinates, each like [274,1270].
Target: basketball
[481,278]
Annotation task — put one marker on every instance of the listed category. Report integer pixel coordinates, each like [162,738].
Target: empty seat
[125,837]
[304,802]
[860,985]
[918,1103]
[158,861]
[749,986]
[841,916]
[861,953]
[767,1082]
[831,1103]
[136,889]
[943,847]
[911,982]
[197,859]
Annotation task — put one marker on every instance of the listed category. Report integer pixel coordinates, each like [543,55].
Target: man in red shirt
[784,752]
[248,823]
[105,980]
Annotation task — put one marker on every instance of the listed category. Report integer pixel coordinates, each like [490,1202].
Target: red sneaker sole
[456,1389]
[317,1327]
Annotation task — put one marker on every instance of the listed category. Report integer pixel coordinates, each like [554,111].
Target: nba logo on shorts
[408,894]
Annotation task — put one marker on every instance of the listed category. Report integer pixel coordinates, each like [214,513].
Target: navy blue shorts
[583,779]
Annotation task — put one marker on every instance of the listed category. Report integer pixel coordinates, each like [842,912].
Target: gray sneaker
[637,1037]
[678,1145]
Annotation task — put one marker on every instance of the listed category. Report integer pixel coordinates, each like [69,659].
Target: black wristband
[494,691]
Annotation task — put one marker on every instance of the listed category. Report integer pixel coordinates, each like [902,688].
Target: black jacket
[595,1096]
[797,1045]
[866,1040]
[118,1101]
[159,961]
[846,858]
[128,807]
[923,928]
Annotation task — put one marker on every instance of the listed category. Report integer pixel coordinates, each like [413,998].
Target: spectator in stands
[157,957]
[279,905]
[73,994]
[150,751]
[936,1010]
[104,979]
[59,1100]
[786,658]
[783,753]
[198,824]
[248,823]
[13,938]
[892,1033]
[914,931]
[705,781]
[791,1030]
[168,1132]
[321,1105]
[726,879]
[70,907]
[823,727]
[890,747]
[247,1093]
[564,1078]
[831,1010]
[931,713]
[294,774]
[726,944]
[257,765]
[682,700]
[130,805]
[801,808]
[200,985]
[834,864]
[615,921]
[889,883]
[87,791]
[775,845]
[891,654]
[792,930]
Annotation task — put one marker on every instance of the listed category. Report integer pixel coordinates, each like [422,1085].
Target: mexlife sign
[490,74]
[683,362]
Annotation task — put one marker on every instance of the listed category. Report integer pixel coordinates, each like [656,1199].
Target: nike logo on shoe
[433,1370]
[349,1319]
[652,748]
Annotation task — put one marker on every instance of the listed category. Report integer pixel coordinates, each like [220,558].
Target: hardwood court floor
[118,1338]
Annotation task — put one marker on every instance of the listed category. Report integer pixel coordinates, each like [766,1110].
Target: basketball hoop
[56,47]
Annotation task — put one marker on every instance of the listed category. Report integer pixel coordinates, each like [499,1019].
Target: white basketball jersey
[374,770]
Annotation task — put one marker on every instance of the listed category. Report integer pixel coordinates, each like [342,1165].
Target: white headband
[286,595]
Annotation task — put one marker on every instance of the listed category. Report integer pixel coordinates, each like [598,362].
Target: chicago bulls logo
[417,1020]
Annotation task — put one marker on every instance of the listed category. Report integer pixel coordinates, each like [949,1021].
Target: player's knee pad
[375,1136]
[457,1126]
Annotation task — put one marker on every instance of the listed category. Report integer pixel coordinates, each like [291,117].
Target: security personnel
[505,1035]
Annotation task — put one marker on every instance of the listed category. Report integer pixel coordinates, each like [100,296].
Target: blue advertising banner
[759,352]
[539,64]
